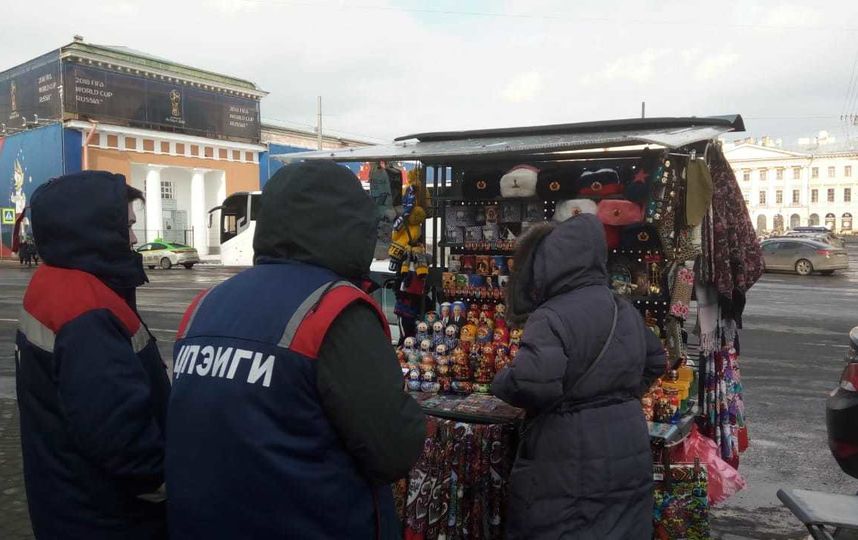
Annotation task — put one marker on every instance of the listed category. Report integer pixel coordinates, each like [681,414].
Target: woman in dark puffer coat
[584,469]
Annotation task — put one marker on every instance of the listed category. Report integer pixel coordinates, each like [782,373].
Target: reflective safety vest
[251,453]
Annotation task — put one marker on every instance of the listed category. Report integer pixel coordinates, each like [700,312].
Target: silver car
[168,254]
[803,256]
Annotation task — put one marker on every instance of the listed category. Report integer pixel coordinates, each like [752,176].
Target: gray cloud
[383,70]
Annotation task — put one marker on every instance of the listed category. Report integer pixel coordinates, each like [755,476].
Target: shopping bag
[681,508]
[724,480]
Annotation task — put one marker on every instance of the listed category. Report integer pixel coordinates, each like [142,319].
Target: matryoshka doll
[461,367]
[442,361]
[501,358]
[500,313]
[437,333]
[458,318]
[501,336]
[474,313]
[426,346]
[430,318]
[485,370]
[446,313]
[468,336]
[414,379]
[515,336]
[513,351]
[427,374]
[450,337]
[484,334]
[422,331]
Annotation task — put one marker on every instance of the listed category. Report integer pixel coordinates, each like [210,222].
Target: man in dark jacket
[288,417]
[92,389]
[585,470]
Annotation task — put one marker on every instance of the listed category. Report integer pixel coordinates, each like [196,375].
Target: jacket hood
[573,256]
[316,212]
[80,221]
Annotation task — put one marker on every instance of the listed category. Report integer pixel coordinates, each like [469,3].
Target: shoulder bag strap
[575,387]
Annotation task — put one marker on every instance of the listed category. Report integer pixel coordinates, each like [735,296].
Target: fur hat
[519,298]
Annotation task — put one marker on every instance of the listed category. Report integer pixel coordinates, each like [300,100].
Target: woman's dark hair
[133,194]
[522,298]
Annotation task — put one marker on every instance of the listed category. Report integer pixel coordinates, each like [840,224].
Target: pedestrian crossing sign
[8,216]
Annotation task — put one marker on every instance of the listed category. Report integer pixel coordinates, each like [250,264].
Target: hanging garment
[736,255]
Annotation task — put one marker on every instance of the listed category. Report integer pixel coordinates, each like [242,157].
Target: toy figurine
[468,336]
[515,336]
[426,346]
[442,361]
[429,383]
[408,345]
[450,339]
[513,351]
[484,334]
[431,317]
[422,331]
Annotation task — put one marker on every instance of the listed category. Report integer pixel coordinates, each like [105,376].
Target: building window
[779,174]
[794,221]
[831,172]
[847,171]
[814,172]
[814,195]
[847,194]
[813,220]
[779,197]
[746,175]
[795,196]
[763,174]
[830,222]
[762,198]
[166,189]
[846,222]
[796,173]
[831,195]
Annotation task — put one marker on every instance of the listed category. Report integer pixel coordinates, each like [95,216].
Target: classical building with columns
[784,189]
[184,136]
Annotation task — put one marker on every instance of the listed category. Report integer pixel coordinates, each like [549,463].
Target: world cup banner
[155,103]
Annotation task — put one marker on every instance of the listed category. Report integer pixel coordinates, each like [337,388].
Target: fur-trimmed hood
[552,259]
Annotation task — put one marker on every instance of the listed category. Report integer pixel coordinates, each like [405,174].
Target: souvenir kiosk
[668,201]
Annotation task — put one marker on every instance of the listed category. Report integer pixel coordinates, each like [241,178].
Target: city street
[792,348]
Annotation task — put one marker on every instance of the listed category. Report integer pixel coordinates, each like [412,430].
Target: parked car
[841,412]
[821,236]
[803,256]
[832,516]
[168,254]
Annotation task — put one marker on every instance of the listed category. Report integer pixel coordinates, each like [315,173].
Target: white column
[198,210]
[153,202]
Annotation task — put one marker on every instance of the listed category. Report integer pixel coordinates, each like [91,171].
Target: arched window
[813,221]
[794,221]
[830,221]
[761,223]
[778,224]
[846,222]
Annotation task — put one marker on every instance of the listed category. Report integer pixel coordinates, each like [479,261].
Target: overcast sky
[390,67]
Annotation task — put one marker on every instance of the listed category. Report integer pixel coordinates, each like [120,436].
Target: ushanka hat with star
[640,177]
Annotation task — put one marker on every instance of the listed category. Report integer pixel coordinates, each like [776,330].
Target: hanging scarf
[707,316]
[736,255]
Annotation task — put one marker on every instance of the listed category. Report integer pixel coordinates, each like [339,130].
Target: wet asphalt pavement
[793,343]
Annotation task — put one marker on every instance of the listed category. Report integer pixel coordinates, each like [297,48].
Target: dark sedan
[803,256]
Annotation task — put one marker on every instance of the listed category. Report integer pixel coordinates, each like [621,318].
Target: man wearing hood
[92,389]
[584,467]
[288,417]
